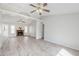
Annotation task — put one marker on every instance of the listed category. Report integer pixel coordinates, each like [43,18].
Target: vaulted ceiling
[24,9]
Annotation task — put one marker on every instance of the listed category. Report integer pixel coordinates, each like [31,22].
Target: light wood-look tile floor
[27,46]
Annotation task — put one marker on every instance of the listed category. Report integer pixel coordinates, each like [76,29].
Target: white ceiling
[55,8]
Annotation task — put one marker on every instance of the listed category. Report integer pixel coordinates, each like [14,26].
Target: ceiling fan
[40,7]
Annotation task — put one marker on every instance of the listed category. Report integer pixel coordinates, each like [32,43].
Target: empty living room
[39,29]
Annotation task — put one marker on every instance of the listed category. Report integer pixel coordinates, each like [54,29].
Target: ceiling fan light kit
[40,8]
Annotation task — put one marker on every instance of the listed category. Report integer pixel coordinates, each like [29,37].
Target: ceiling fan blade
[45,4]
[33,11]
[46,10]
[32,5]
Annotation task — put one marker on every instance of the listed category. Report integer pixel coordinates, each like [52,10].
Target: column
[38,30]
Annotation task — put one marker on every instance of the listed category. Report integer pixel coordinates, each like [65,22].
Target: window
[5,29]
[25,29]
[0,28]
[12,29]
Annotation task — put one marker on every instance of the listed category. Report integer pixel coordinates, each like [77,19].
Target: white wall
[63,30]
[32,27]
[32,30]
